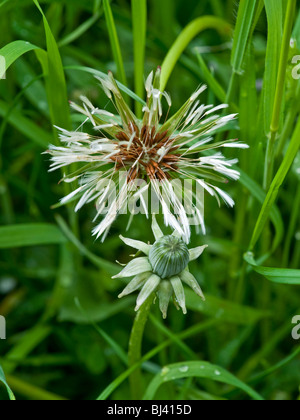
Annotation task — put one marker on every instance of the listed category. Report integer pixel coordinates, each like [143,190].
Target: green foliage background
[67,333]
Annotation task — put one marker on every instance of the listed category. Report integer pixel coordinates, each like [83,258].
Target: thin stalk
[285,46]
[135,349]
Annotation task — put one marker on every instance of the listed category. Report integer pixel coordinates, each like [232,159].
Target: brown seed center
[150,152]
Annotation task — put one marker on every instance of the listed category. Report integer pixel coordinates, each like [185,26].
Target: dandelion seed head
[152,150]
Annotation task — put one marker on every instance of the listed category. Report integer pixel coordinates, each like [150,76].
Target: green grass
[67,332]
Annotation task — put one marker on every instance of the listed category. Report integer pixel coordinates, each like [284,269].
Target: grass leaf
[276,275]
[274,11]
[30,235]
[55,79]
[13,51]
[241,34]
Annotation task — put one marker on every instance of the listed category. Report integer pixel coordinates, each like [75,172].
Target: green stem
[135,348]
[288,26]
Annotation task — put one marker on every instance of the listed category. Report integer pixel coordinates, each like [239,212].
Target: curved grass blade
[3,380]
[276,275]
[185,37]
[197,369]
[13,51]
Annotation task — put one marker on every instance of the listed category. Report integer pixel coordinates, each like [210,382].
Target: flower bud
[169,256]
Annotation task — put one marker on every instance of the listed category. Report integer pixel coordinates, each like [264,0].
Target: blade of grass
[139,24]
[55,79]
[275,275]
[114,41]
[13,51]
[3,380]
[30,235]
[274,11]
[280,85]
[241,34]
